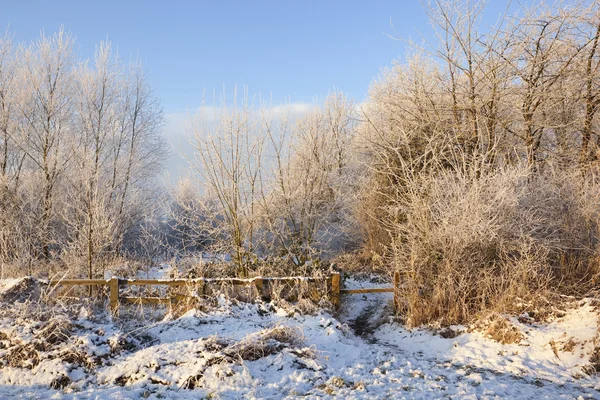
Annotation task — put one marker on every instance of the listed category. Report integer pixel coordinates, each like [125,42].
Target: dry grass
[499,328]
[264,343]
[470,242]
[594,366]
[363,262]
[46,330]
[569,345]
[77,357]
[56,331]
[223,351]
[23,355]
[60,382]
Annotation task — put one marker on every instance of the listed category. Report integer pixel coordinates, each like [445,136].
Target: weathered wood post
[335,290]
[267,289]
[396,288]
[201,289]
[258,283]
[114,294]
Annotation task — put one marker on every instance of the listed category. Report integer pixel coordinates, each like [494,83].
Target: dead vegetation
[499,328]
[46,329]
[483,178]
[27,351]
[264,343]
[22,355]
[23,289]
[56,331]
[60,382]
[594,366]
[471,243]
[227,353]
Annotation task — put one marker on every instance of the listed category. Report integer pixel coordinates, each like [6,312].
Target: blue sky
[296,50]
[299,49]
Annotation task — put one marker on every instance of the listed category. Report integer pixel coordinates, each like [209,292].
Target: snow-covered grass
[239,350]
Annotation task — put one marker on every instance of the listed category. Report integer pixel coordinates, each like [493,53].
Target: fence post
[266,290]
[258,282]
[396,288]
[114,294]
[335,290]
[201,288]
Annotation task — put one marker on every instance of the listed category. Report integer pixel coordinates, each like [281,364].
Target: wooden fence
[263,286]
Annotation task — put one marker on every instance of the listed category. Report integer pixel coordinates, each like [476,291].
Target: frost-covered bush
[471,241]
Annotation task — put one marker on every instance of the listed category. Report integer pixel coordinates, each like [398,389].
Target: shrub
[472,241]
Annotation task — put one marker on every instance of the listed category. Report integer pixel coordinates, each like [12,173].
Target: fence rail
[261,283]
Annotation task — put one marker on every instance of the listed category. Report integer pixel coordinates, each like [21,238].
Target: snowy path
[421,365]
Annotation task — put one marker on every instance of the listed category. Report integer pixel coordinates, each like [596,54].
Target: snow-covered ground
[263,351]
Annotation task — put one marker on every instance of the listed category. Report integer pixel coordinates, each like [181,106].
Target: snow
[8,284]
[160,271]
[532,358]
[196,356]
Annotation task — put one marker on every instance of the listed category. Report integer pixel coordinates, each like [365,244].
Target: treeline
[80,145]
[483,150]
[267,188]
[471,168]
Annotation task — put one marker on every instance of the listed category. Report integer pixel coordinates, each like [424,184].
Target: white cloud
[292,109]
[178,126]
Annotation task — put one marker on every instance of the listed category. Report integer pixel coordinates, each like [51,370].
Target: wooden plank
[174,298]
[150,282]
[230,281]
[177,297]
[295,279]
[190,282]
[80,282]
[250,281]
[182,282]
[370,290]
[146,300]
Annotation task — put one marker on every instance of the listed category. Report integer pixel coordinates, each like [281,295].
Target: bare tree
[10,156]
[89,213]
[45,113]
[228,156]
[591,86]
[311,189]
[115,155]
[542,54]
[140,150]
[80,147]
